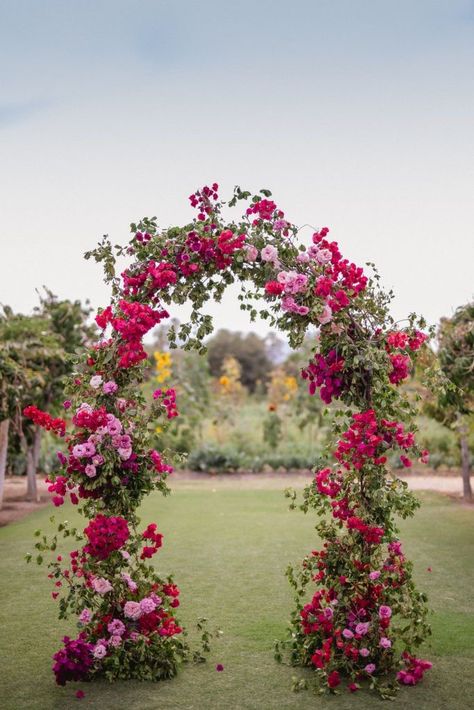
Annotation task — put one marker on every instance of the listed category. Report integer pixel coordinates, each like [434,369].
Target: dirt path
[16,507]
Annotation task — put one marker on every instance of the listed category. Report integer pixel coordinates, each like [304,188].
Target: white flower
[96,381]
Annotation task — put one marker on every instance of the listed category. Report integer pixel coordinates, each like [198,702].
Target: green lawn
[228,549]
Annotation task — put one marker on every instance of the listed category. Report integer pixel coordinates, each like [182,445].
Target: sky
[357,115]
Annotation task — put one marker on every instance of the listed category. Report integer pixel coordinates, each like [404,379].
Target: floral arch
[364,617]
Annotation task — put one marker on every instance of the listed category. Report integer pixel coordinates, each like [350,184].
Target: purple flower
[109,387]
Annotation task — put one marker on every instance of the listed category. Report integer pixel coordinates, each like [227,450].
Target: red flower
[334,679]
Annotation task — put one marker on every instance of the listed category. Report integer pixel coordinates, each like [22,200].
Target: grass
[229,548]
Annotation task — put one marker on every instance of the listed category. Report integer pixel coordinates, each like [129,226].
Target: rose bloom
[251,252]
[101,585]
[326,315]
[96,381]
[347,633]
[364,652]
[109,387]
[85,616]
[385,642]
[147,605]
[99,651]
[362,628]
[374,575]
[132,610]
[385,612]
[115,641]
[116,627]
[370,668]
[90,470]
[269,253]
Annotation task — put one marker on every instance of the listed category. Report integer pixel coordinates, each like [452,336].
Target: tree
[35,357]
[250,351]
[456,404]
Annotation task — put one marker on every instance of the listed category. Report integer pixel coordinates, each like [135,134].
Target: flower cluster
[156,540]
[415,668]
[45,420]
[325,372]
[168,400]
[106,534]
[74,661]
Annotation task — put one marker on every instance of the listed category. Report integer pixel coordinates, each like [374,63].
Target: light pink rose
[101,585]
[374,575]
[85,616]
[251,252]
[132,610]
[385,612]
[99,651]
[323,256]
[90,470]
[385,642]
[96,381]
[326,315]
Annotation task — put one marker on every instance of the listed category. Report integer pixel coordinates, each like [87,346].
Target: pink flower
[132,610]
[147,605]
[99,651]
[78,451]
[90,471]
[114,425]
[326,315]
[129,581]
[270,254]
[374,575]
[364,652]
[109,387]
[115,641]
[134,636]
[303,257]
[96,381]
[124,453]
[116,627]
[67,404]
[219,667]
[85,616]
[101,585]
[323,256]
[80,694]
[370,668]
[362,628]
[385,642]
[347,633]
[251,252]
[385,612]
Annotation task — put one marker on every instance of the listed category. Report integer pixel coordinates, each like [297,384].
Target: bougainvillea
[358,614]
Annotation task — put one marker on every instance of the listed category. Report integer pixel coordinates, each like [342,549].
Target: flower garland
[364,606]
